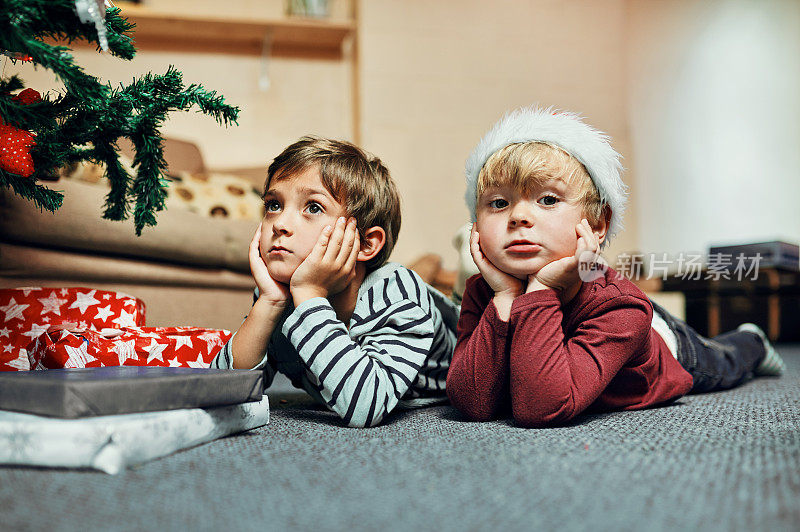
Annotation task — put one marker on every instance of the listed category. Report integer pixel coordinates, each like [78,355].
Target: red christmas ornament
[27,97]
[15,151]
[15,144]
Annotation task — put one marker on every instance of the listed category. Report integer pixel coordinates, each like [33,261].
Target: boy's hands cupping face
[330,266]
[499,281]
[268,288]
[566,274]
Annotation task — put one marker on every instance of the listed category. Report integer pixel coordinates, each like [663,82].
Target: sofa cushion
[211,194]
[181,237]
[22,264]
[215,195]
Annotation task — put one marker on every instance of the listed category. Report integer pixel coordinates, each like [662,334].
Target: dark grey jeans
[718,363]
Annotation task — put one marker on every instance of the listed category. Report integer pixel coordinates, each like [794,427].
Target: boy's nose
[281,224]
[520,216]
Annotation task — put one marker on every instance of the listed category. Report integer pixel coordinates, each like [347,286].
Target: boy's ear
[372,242]
[602,226]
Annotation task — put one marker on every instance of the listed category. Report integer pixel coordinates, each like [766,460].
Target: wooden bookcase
[188,32]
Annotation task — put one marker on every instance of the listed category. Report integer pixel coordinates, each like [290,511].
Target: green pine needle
[42,197]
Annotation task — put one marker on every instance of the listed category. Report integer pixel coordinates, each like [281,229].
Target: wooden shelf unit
[167,31]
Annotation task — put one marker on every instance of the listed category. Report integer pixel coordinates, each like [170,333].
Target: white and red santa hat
[567,131]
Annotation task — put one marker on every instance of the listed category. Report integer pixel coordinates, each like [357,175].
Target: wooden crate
[771,301]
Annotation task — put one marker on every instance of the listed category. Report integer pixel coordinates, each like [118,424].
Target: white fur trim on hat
[567,131]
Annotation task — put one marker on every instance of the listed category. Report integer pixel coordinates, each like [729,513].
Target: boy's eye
[314,208]
[548,200]
[498,203]
[272,205]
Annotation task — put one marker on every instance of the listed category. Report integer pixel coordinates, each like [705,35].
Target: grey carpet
[724,461]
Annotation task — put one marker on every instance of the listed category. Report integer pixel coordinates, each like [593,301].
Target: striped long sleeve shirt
[395,351]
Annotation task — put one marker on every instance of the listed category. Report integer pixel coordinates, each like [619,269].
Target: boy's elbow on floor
[472,410]
[542,417]
[355,424]
[365,423]
[477,414]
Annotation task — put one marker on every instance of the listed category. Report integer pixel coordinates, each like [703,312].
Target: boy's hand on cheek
[330,266]
[563,275]
[506,287]
[268,288]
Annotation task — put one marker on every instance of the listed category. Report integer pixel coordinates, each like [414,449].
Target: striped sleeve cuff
[224,359]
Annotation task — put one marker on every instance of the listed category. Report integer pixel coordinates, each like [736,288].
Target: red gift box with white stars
[26,313]
[70,347]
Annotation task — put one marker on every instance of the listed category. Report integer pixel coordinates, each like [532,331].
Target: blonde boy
[546,333]
[360,335]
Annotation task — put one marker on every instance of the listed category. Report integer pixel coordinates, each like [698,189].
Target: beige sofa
[189,269]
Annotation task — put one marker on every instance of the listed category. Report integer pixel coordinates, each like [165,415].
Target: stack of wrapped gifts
[113,392]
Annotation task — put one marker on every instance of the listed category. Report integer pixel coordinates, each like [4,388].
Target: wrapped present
[25,313]
[70,347]
[112,443]
[86,392]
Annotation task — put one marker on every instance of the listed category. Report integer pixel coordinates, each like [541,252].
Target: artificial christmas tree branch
[84,121]
[28,189]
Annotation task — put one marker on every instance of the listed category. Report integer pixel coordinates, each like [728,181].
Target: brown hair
[358,180]
[526,165]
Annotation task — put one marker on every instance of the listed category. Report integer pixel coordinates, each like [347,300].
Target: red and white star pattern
[155,350]
[13,310]
[84,301]
[125,319]
[47,328]
[125,350]
[26,313]
[104,313]
[128,346]
[52,303]
[78,357]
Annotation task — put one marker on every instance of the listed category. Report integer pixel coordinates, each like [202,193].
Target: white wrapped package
[112,443]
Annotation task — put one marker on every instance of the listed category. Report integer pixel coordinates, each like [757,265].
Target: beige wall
[434,77]
[714,106]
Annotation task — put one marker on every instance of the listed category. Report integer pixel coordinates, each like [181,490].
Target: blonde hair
[356,179]
[524,166]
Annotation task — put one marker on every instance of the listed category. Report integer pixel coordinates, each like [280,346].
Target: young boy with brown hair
[546,331]
[357,333]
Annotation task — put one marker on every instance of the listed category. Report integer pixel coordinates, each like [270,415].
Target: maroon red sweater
[597,352]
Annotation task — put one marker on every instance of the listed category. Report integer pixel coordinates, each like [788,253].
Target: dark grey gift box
[74,393]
